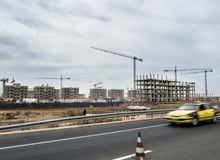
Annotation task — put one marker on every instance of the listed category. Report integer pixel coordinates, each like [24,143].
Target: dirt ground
[30,115]
[12,116]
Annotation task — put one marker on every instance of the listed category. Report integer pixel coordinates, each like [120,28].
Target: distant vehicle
[137,108]
[193,113]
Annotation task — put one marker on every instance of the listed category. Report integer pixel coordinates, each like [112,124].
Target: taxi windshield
[188,107]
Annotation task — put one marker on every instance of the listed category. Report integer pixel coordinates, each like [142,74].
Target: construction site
[156,89]
[148,88]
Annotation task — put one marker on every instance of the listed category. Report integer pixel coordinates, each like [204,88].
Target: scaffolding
[156,89]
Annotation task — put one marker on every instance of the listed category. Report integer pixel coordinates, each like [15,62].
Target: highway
[110,141]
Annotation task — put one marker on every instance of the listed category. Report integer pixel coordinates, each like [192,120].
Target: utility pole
[127,56]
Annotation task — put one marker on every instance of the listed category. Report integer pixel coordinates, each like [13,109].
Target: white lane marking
[129,156]
[81,137]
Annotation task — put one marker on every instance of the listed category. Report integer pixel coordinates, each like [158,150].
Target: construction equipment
[13,80]
[96,84]
[205,72]
[181,70]
[127,56]
[61,82]
[4,80]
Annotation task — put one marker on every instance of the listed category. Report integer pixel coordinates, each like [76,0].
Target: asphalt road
[106,142]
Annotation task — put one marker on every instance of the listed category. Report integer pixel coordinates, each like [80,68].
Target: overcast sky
[49,38]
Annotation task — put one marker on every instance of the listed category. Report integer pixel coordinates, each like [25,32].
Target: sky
[44,39]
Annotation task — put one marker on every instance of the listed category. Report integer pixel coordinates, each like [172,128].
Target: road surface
[110,141]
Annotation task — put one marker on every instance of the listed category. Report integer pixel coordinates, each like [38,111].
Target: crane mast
[4,80]
[127,56]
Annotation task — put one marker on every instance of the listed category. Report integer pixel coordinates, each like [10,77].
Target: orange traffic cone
[140,155]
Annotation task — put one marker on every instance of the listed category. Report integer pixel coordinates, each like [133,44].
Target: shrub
[10,115]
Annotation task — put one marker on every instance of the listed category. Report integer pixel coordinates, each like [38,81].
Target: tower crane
[127,56]
[181,70]
[205,72]
[61,81]
[4,80]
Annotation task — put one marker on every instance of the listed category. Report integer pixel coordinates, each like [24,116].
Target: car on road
[193,113]
[137,108]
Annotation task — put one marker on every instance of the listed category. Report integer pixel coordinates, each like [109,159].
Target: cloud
[53,38]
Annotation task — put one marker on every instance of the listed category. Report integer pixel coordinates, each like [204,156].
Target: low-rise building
[70,93]
[16,91]
[45,93]
[116,94]
[98,94]
[131,94]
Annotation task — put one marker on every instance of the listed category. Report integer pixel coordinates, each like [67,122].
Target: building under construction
[158,90]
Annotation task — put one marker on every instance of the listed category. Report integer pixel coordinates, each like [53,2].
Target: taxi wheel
[214,119]
[195,121]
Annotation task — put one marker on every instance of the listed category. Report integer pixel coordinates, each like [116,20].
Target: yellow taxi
[193,113]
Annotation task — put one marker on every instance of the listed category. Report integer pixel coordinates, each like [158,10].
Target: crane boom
[205,72]
[127,56]
[97,84]
[117,53]
[189,69]
[61,82]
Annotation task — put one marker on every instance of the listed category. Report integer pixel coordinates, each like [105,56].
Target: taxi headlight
[186,116]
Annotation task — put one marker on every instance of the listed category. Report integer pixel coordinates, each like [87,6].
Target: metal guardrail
[81,118]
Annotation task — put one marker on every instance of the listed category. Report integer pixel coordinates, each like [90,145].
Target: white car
[137,108]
